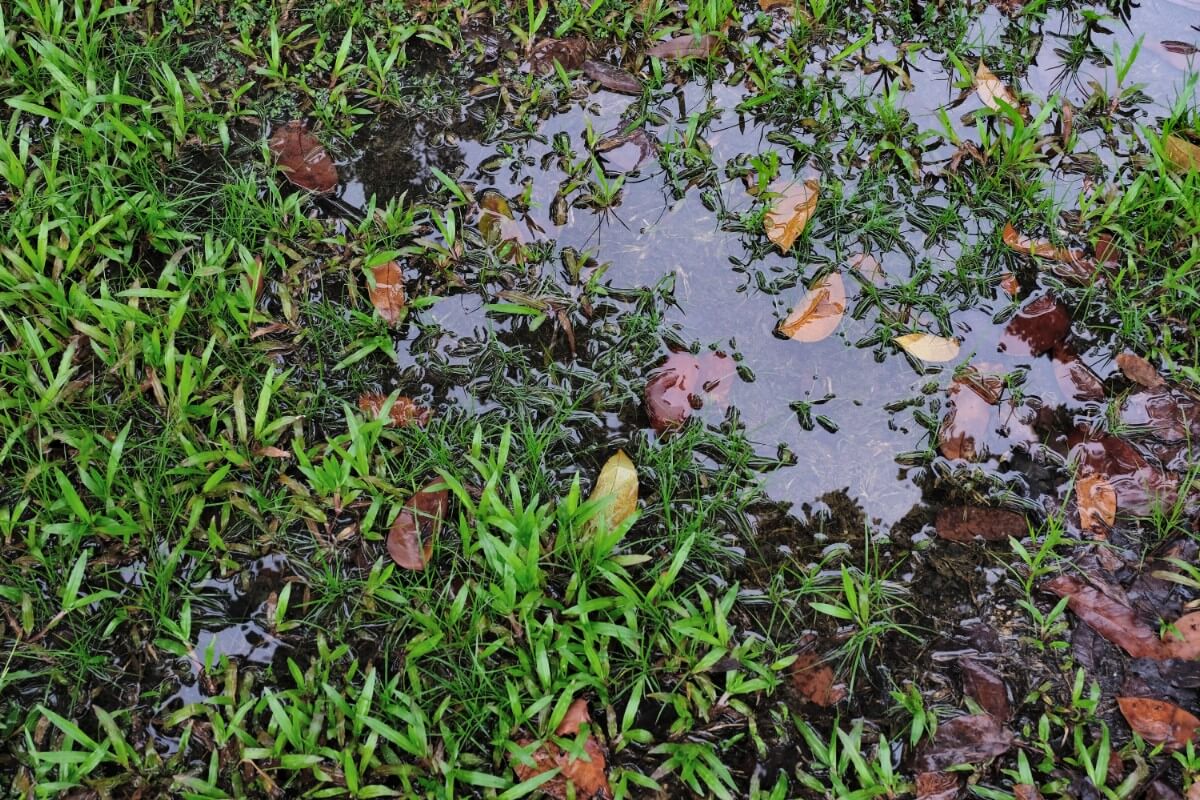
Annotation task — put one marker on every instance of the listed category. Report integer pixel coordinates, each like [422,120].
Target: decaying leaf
[302,158]
[968,523]
[1112,619]
[970,739]
[928,347]
[587,773]
[1160,722]
[868,268]
[685,46]
[769,5]
[387,292]
[625,152]
[403,412]
[496,220]
[1097,503]
[985,686]
[410,539]
[1182,155]
[1040,326]
[1026,791]
[681,385]
[937,786]
[991,90]
[1182,640]
[1070,264]
[1076,379]
[796,203]
[567,53]
[816,681]
[819,311]
[618,481]
[1010,284]
[1139,370]
[612,78]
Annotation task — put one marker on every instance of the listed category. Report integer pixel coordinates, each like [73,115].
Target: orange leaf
[410,540]
[819,311]
[302,159]
[794,207]
[1185,645]
[1097,503]
[1010,284]
[1160,722]
[404,411]
[1139,370]
[815,681]
[588,774]
[387,295]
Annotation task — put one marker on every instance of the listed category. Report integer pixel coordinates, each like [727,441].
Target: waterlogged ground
[871,456]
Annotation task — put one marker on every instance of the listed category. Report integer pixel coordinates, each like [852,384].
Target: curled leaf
[791,212]
[928,347]
[618,481]
[1160,722]
[387,293]
[819,311]
[302,158]
[991,90]
[410,539]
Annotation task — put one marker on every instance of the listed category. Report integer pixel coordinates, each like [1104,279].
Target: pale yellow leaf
[1182,155]
[991,89]
[619,481]
[819,311]
[791,212]
[928,347]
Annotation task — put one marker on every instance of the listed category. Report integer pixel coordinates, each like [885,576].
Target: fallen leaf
[717,372]
[612,78]
[567,53]
[681,385]
[272,452]
[937,786]
[387,293]
[928,347]
[1075,379]
[1041,325]
[1139,370]
[816,681]
[588,774]
[967,424]
[968,523]
[1066,121]
[1010,284]
[618,480]
[303,159]
[1097,503]
[819,311]
[991,90]
[1160,722]
[1026,791]
[1112,619]
[410,539]
[1184,641]
[1194,791]
[1140,486]
[496,220]
[1168,415]
[985,686]
[1182,155]
[403,412]
[685,46]
[1073,264]
[769,5]
[970,739]
[1106,249]
[795,205]
[869,268]
[625,152]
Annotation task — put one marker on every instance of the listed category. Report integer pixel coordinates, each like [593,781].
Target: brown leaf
[1010,284]
[612,78]
[1194,791]
[568,53]
[303,159]
[1066,120]
[1184,641]
[1139,370]
[819,311]
[968,739]
[796,203]
[496,220]
[1160,722]
[410,540]
[1026,791]
[625,152]
[816,681]
[685,46]
[1182,155]
[387,293]
[1097,503]
[587,774]
[1074,264]
[869,268]
[403,412]
[618,481]
[769,5]
[1115,621]
[1037,328]
[682,383]
[1075,379]
[937,786]
[968,523]
[985,686]
[1140,486]
[991,89]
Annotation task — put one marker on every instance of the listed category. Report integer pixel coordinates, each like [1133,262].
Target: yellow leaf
[791,212]
[928,347]
[819,311]
[1181,154]
[991,89]
[619,481]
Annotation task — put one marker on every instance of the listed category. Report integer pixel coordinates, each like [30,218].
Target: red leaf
[303,159]
[968,523]
[1160,722]
[410,540]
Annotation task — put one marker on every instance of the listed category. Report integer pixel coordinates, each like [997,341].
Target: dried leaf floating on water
[612,78]
[992,90]
[1160,722]
[1097,503]
[1181,155]
[618,481]
[303,159]
[567,53]
[681,384]
[1139,370]
[685,46]
[928,347]
[791,212]
[588,773]
[819,311]
[410,539]
[387,292]
[403,412]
